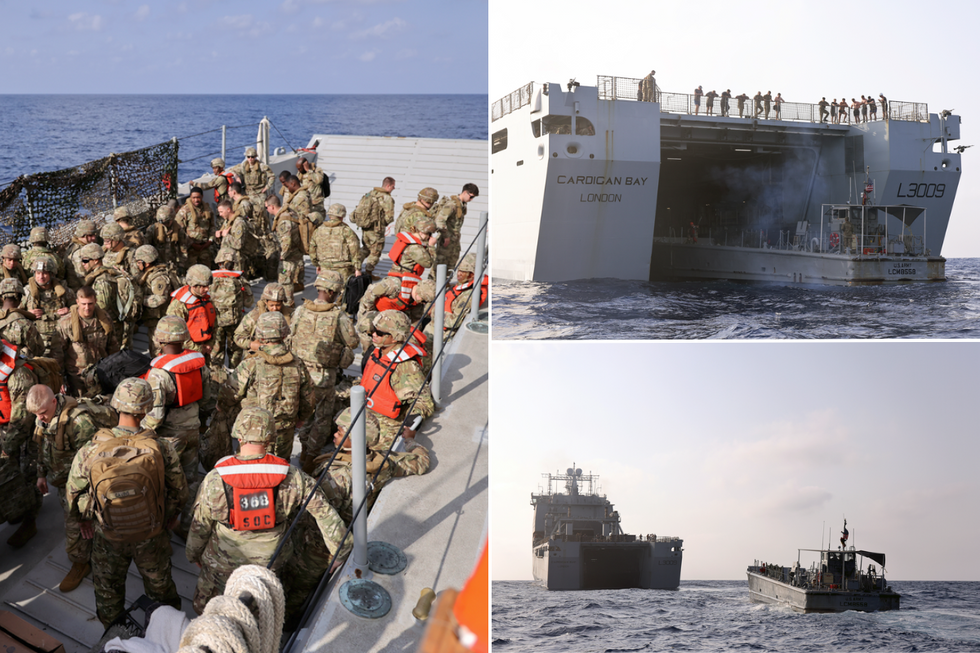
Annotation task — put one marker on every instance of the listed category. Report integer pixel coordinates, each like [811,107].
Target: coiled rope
[248,618]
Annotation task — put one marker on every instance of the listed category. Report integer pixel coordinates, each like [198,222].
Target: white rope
[228,626]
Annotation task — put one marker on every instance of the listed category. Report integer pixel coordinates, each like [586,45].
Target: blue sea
[51,132]
[610,309]
[935,617]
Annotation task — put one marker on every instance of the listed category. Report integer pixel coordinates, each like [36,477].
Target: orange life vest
[185,368]
[252,483]
[226,273]
[456,291]
[8,361]
[410,277]
[201,314]
[231,179]
[376,381]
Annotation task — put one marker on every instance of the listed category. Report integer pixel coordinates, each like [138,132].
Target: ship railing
[626,88]
[869,233]
[511,102]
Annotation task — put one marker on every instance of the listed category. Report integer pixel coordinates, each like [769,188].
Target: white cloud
[369,55]
[382,30]
[86,23]
[142,12]
[407,53]
[236,22]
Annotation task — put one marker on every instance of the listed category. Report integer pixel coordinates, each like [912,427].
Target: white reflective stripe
[404,356]
[153,363]
[188,356]
[8,350]
[261,468]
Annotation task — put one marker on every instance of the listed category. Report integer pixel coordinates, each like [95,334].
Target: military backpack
[47,371]
[127,481]
[368,212]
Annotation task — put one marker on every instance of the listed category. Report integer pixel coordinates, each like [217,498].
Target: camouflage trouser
[221,557]
[291,278]
[303,570]
[203,348]
[317,430]
[186,445]
[372,248]
[110,564]
[215,444]
[123,331]
[79,549]
[389,430]
[194,256]
[448,255]
[224,341]
[345,272]
[260,219]
[19,497]
[284,442]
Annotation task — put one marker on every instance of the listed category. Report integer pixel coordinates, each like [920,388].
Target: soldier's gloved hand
[88,532]
[42,485]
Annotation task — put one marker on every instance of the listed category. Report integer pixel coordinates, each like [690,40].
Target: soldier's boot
[78,571]
[27,530]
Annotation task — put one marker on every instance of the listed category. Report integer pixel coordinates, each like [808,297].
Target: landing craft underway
[612,181]
[578,543]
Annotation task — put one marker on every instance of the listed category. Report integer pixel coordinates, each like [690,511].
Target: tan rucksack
[128,485]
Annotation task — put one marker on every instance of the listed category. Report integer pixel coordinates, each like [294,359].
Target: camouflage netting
[141,181]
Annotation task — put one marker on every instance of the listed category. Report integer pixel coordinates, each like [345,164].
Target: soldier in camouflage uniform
[394,381]
[16,324]
[380,209]
[311,179]
[12,269]
[62,427]
[335,246]
[196,221]
[273,299]
[310,558]
[48,300]
[274,379]
[324,339]
[132,238]
[458,297]
[299,200]
[195,297]
[219,182]
[176,416]
[164,235]
[110,556]
[286,228]
[101,279]
[85,234]
[411,254]
[236,235]
[222,538]
[39,247]
[449,217]
[117,254]
[412,211]
[88,334]
[257,181]
[20,498]
[231,296]
[158,280]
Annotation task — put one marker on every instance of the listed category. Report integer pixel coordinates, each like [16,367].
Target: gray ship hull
[763,589]
[560,565]
[703,260]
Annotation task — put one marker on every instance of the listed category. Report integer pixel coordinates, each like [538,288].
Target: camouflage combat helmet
[11,286]
[171,328]
[43,263]
[90,251]
[122,213]
[429,194]
[218,163]
[372,430]
[251,152]
[468,264]
[271,326]
[329,280]
[198,275]
[394,322]
[164,214]
[274,292]
[112,231]
[425,226]
[146,253]
[10,251]
[85,228]
[337,211]
[39,235]
[225,255]
[254,424]
[133,396]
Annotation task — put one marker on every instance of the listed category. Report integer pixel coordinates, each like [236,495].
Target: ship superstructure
[592,182]
[578,542]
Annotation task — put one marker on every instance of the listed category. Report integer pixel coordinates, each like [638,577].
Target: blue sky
[210,46]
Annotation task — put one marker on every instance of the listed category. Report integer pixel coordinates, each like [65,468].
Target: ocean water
[51,132]
[718,616]
[610,309]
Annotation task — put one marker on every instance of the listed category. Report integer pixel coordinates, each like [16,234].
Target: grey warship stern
[578,543]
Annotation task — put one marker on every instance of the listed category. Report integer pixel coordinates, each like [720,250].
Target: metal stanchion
[481,245]
[439,323]
[358,440]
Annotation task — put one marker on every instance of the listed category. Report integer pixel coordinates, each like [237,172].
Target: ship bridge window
[562,125]
[499,141]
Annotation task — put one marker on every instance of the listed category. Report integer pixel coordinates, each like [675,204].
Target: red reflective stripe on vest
[8,361]
[201,314]
[252,482]
[185,368]
[377,375]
